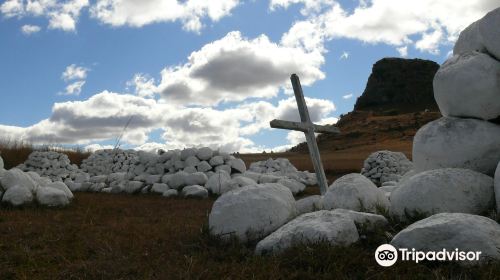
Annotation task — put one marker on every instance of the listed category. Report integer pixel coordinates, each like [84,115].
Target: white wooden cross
[309,129]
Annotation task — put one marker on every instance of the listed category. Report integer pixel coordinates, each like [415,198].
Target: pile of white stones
[19,188]
[449,186]
[53,165]
[282,167]
[110,161]
[386,166]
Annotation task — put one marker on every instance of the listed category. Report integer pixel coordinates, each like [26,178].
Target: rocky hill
[397,101]
[399,84]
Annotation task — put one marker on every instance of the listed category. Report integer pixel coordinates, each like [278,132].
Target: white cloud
[30,29]
[74,88]
[392,22]
[12,8]
[310,6]
[347,96]
[103,116]
[139,13]
[73,72]
[95,147]
[61,14]
[403,51]
[144,85]
[235,68]
[344,55]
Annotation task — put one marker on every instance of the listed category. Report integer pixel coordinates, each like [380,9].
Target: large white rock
[443,190]
[219,183]
[320,226]
[133,186]
[195,191]
[170,193]
[205,153]
[468,86]
[461,143]
[452,231]
[51,197]
[252,212]
[178,180]
[61,186]
[197,178]
[354,192]
[241,181]
[16,177]
[497,187]
[17,195]
[203,166]
[160,188]
[469,40]
[490,33]
[186,153]
[238,165]
[216,161]
[309,204]
[294,186]
[365,221]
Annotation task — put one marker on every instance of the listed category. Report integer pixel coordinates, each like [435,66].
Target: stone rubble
[385,166]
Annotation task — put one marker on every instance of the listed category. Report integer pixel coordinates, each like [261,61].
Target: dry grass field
[149,237]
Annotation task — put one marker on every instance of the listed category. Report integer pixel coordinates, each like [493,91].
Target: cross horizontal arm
[304,127]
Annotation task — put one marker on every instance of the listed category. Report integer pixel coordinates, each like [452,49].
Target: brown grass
[149,237]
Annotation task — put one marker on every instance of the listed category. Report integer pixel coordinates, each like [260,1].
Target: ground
[103,236]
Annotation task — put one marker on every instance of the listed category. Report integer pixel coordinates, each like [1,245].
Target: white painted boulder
[468,86]
[460,143]
[170,193]
[252,212]
[195,191]
[294,186]
[17,195]
[160,188]
[309,204]
[133,186]
[238,165]
[469,40]
[52,197]
[490,33]
[364,221]
[450,190]
[219,183]
[497,187]
[197,178]
[320,226]
[354,192]
[451,231]
[205,153]
[241,181]
[482,35]
[16,177]
[61,186]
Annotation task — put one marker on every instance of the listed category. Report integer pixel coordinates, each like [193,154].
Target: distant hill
[399,84]
[397,101]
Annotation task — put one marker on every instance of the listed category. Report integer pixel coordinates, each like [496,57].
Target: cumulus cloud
[73,72]
[235,68]
[139,13]
[62,15]
[403,51]
[73,88]
[103,117]
[391,22]
[143,85]
[30,29]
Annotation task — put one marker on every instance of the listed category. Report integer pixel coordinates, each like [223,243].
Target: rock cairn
[386,166]
[53,165]
[467,91]
[109,161]
[282,167]
[18,188]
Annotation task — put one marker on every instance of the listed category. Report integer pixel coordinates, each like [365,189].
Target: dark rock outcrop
[399,84]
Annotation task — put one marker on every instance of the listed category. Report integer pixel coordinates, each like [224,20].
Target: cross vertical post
[309,129]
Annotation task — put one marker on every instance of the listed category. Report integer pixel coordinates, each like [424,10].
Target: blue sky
[194,73]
